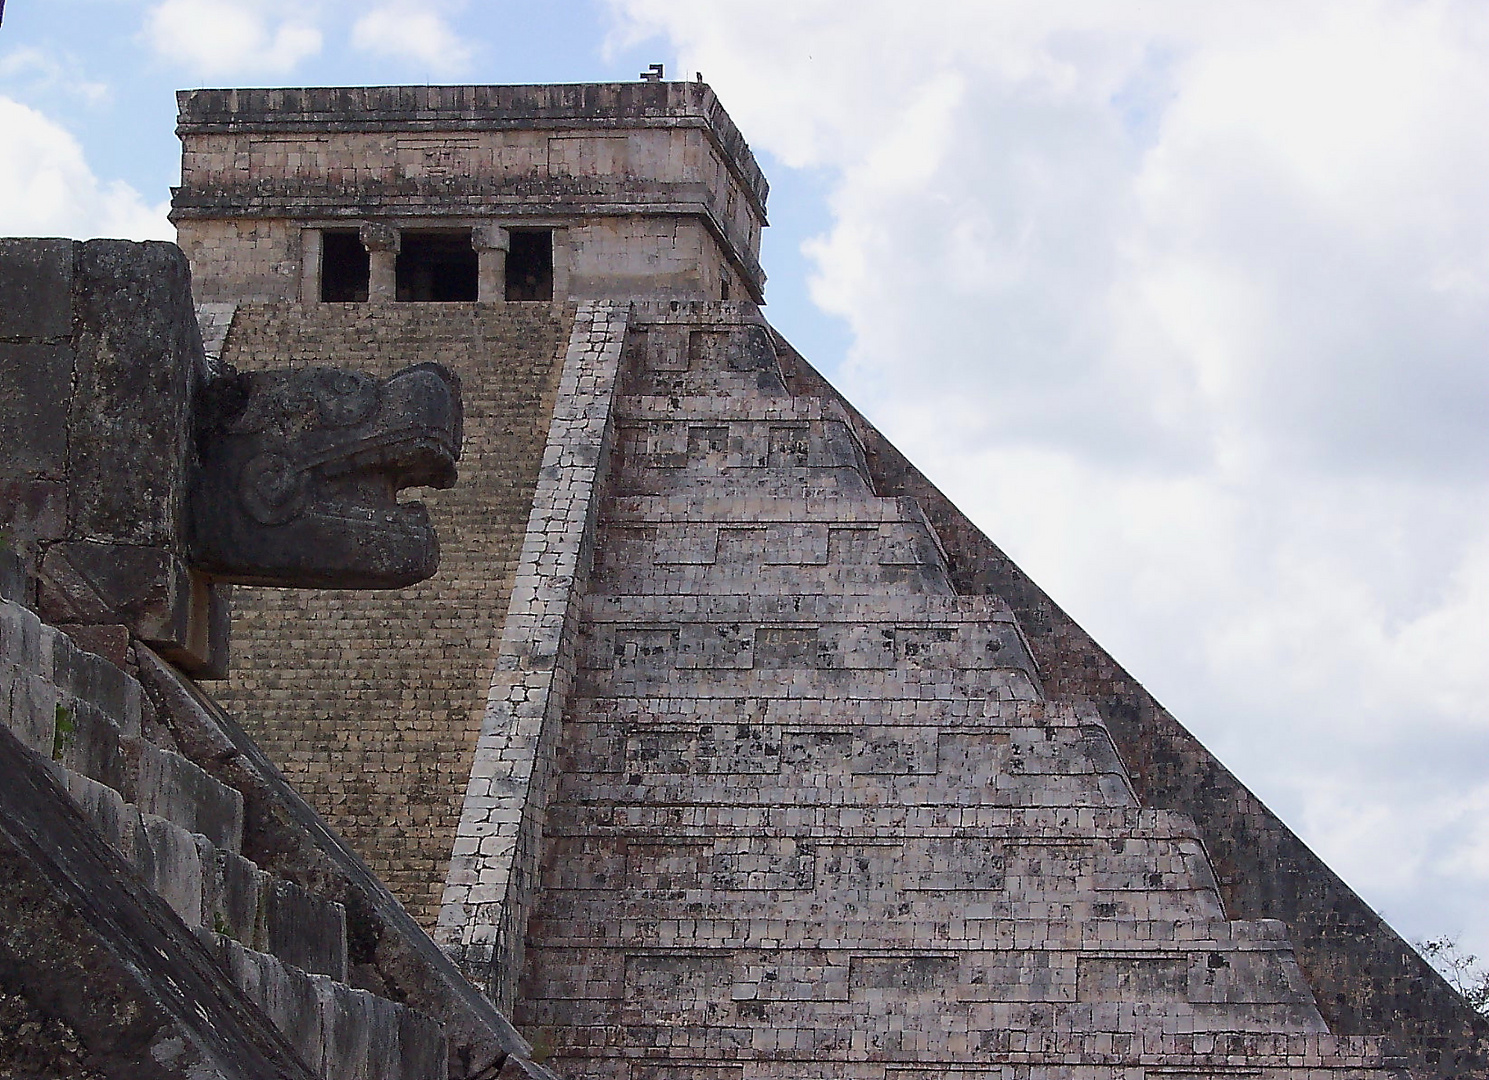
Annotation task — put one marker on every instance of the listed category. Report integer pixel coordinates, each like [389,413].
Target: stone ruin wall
[370,702]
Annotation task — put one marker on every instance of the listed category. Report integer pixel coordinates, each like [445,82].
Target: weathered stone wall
[371,702]
[1366,979]
[100,358]
[644,257]
[250,261]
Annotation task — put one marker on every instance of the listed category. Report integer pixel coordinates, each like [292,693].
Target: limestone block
[237,902]
[36,380]
[95,680]
[170,786]
[170,861]
[304,930]
[289,998]
[87,741]
[36,288]
[138,347]
[35,708]
[117,821]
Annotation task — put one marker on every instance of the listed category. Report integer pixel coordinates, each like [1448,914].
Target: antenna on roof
[652,74]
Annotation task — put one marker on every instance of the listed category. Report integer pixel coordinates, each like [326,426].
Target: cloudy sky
[1186,304]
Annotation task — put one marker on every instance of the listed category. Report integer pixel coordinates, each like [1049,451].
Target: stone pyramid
[723,745]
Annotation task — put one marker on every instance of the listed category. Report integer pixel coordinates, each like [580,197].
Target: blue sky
[1187,305]
[113,90]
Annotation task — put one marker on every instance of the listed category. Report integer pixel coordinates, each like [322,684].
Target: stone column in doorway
[381,242]
[491,243]
[310,266]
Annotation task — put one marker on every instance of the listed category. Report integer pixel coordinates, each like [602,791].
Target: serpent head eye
[343,398]
[272,489]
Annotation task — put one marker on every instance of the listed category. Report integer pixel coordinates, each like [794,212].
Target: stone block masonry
[371,702]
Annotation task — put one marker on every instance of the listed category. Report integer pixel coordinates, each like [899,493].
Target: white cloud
[411,32]
[47,188]
[44,71]
[232,37]
[1187,305]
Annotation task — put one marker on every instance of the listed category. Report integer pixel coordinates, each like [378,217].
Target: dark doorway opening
[344,267]
[440,266]
[530,265]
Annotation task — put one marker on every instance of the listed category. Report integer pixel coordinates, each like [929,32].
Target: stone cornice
[580,106]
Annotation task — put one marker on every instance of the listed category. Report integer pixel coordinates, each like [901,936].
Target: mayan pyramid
[723,746]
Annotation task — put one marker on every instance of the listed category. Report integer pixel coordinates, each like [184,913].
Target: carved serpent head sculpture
[299,473]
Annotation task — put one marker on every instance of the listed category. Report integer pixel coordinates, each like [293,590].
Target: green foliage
[64,732]
[1463,970]
[541,1040]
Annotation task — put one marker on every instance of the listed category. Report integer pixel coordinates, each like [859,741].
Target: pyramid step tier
[1030,937]
[884,644]
[906,609]
[1025,1055]
[793,671]
[1092,1045]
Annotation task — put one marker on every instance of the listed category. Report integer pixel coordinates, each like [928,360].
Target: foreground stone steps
[215,889]
[342,1033]
[181,830]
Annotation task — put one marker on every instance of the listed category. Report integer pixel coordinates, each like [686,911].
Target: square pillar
[563,259]
[310,266]
[492,242]
[381,242]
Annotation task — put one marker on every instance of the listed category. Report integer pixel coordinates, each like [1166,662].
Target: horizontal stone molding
[589,106]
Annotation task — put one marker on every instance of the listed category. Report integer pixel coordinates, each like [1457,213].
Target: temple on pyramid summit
[720,746]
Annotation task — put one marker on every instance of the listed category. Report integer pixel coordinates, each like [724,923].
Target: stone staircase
[118,753]
[814,815]
[370,702]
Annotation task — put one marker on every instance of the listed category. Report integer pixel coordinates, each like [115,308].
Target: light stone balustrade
[489,889]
